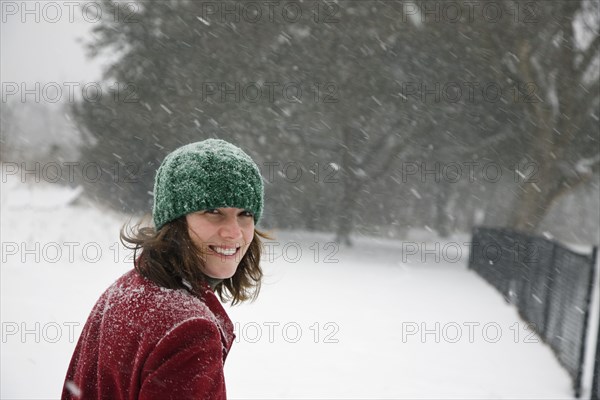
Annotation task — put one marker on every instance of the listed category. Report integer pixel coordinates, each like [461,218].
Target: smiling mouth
[225,251]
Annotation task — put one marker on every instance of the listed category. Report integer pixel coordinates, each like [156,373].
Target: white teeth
[225,251]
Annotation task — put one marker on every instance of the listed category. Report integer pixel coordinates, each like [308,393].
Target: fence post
[596,379]
[596,382]
[550,273]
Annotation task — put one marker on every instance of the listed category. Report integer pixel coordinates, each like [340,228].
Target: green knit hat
[205,175]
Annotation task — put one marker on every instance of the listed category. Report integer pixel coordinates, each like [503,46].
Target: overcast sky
[44,51]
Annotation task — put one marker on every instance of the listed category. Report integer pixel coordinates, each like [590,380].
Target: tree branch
[588,57]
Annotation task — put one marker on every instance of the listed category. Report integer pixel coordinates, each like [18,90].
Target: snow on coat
[142,341]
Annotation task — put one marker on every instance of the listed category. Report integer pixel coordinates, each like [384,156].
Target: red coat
[143,341]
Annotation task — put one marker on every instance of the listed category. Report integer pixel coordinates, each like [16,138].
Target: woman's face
[223,235]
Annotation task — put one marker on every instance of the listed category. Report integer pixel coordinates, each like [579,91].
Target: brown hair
[169,256]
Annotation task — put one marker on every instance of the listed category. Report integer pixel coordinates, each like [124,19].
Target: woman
[159,331]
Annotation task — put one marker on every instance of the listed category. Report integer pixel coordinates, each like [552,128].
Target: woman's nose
[231,229]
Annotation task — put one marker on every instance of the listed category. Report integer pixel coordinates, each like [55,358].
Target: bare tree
[553,63]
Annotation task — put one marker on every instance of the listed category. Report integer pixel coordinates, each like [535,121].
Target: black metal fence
[550,285]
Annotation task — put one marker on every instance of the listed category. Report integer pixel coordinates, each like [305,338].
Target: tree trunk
[535,196]
[530,208]
[345,222]
[445,200]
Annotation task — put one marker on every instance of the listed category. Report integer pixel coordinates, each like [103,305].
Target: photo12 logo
[64,252]
[71,172]
[470,11]
[269,91]
[295,171]
[69,92]
[467,331]
[69,11]
[38,332]
[292,252]
[271,11]
[467,171]
[467,92]
[287,332]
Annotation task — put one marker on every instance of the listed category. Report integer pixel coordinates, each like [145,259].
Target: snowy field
[371,321]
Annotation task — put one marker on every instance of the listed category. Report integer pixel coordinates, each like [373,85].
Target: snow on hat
[205,175]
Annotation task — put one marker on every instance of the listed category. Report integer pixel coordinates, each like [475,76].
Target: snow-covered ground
[383,319]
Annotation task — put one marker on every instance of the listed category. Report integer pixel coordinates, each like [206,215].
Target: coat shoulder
[135,298]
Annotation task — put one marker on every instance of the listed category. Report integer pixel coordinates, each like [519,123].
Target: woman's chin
[221,273]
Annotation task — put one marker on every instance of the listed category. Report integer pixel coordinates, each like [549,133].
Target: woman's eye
[212,211]
[246,213]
